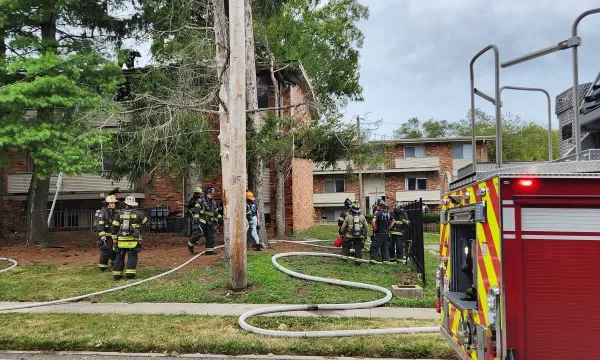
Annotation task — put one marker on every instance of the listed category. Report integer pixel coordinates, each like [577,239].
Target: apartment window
[416,184]
[108,163]
[462,151]
[414,151]
[567,132]
[334,186]
[262,91]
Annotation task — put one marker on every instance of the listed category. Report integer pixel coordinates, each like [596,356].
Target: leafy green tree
[57,73]
[413,128]
[324,36]
[521,140]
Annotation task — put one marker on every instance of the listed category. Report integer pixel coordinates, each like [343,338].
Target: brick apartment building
[80,195]
[413,169]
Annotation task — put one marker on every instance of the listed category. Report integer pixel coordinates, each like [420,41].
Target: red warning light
[526,183]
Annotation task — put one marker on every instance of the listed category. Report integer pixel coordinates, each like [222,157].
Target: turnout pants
[132,261]
[397,247]
[380,243]
[106,253]
[209,233]
[355,244]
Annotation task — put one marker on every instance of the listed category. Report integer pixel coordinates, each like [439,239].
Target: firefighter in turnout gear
[126,229]
[381,225]
[398,228]
[355,229]
[206,220]
[103,223]
[347,205]
[197,195]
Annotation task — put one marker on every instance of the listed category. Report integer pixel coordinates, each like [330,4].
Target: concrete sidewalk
[216,309]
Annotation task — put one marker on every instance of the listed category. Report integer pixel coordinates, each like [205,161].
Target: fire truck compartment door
[561,255]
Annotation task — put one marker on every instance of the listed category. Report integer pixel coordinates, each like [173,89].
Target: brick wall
[16,162]
[393,182]
[13,221]
[302,198]
[163,192]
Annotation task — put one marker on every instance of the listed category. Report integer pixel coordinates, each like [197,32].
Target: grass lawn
[206,334]
[208,283]
[330,232]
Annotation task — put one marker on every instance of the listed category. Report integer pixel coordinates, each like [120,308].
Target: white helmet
[130,200]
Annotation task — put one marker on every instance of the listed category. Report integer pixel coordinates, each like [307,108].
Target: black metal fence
[414,233]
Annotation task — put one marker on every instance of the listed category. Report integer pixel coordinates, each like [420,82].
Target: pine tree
[58,73]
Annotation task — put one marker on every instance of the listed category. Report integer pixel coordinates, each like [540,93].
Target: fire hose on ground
[275,309]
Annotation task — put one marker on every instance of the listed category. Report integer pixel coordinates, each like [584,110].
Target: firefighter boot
[190,247]
[257,247]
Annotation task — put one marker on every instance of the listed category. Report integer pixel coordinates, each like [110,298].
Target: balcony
[413,164]
[428,196]
[332,199]
[83,184]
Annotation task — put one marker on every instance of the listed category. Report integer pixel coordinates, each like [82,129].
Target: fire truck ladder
[573,42]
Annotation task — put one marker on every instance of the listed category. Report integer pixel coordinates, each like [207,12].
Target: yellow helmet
[111,199]
[250,195]
[198,190]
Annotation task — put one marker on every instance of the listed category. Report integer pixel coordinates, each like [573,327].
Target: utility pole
[360,180]
[234,179]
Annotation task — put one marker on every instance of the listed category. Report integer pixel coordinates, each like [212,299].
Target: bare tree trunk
[37,203]
[255,170]
[37,197]
[280,169]
[222,39]
[279,198]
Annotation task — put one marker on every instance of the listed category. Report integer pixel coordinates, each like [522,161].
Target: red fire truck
[528,241]
[520,247]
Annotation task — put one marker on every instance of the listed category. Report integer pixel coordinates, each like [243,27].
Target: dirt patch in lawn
[158,251]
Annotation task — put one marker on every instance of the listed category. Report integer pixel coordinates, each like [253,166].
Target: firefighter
[347,205]
[104,219]
[355,229]
[127,232]
[398,233]
[190,205]
[381,224]
[117,194]
[206,220]
[195,196]
[253,219]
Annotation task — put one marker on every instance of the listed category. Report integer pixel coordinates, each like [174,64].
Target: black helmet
[355,207]
[347,203]
[210,190]
[380,202]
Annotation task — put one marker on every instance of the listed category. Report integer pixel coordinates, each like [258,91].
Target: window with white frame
[335,186]
[462,151]
[414,151]
[416,183]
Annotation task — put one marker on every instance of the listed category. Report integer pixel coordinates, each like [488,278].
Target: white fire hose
[274,309]
[14,263]
[331,333]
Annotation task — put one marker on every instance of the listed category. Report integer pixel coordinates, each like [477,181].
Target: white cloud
[415,60]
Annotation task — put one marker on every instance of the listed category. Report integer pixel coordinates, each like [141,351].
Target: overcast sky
[416,54]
